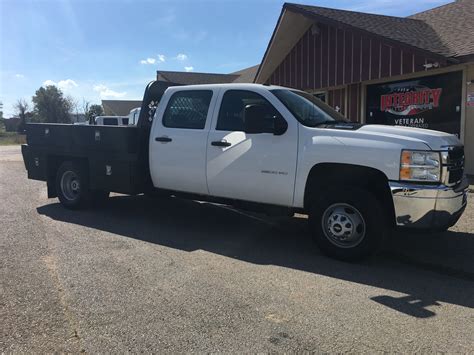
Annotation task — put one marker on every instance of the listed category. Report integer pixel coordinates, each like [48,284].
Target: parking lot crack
[52,268]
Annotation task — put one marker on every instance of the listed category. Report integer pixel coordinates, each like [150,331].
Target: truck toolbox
[83,138]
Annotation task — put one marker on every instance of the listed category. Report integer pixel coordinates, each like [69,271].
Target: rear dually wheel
[72,185]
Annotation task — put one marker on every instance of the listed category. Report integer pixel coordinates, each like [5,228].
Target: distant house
[246,75]
[11,124]
[119,107]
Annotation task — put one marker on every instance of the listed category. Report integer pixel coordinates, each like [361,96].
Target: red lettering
[422,97]
[418,98]
[402,99]
[385,102]
[396,100]
[436,93]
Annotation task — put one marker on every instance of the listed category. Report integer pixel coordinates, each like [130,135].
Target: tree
[74,109]
[85,107]
[21,108]
[50,105]
[94,111]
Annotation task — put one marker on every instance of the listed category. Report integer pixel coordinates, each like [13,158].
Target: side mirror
[280,126]
[257,120]
[254,121]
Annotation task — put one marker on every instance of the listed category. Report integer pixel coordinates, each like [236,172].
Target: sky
[110,49]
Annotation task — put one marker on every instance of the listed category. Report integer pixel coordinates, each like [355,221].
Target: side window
[236,103]
[187,109]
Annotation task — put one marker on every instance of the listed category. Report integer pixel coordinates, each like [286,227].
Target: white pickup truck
[268,148]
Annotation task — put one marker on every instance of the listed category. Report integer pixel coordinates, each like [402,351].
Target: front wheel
[72,185]
[347,224]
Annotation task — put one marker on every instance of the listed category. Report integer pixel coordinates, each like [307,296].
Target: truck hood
[434,139]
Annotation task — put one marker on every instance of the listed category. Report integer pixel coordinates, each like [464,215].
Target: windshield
[307,109]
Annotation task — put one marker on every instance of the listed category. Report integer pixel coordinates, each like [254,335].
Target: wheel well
[53,164]
[325,176]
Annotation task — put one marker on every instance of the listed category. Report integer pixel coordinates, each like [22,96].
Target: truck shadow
[191,225]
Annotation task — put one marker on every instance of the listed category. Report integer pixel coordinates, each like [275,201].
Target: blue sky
[110,49]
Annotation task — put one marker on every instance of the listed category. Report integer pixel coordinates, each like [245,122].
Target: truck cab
[284,147]
[275,148]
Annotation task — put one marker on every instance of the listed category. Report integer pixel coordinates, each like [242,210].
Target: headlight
[420,166]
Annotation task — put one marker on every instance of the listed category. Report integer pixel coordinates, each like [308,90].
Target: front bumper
[428,206]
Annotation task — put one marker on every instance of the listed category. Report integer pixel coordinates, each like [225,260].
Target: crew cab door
[178,140]
[252,149]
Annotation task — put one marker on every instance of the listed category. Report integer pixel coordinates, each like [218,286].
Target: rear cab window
[187,109]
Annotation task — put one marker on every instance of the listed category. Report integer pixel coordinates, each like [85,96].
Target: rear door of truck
[178,140]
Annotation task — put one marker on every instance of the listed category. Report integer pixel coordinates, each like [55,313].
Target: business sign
[470,99]
[432,102]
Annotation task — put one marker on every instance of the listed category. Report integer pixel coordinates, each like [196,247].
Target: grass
[11,138]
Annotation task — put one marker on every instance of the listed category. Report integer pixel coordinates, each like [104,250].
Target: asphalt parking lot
[172,275]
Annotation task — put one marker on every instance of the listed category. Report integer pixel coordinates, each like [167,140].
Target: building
[12,124]
[416,71]
[119,107]
[246,75]
[78,117]
[173,78]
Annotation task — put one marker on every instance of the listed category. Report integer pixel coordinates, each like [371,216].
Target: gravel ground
[172,275]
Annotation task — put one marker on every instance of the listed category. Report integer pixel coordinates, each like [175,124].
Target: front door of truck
[246,158]
[178,141]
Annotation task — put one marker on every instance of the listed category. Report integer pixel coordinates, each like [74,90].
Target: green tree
[94,111]
[21,110]
[50,105]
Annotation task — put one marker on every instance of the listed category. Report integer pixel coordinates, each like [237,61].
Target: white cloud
[19,75]
[49,83]
[67,84]
[148,61]
[181,56]
[161,58]
[188,69]
[62,84]
[105,92]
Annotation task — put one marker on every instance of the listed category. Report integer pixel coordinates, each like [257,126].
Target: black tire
[354,224]
[72,185]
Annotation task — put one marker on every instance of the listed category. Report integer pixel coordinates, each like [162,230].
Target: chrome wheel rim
[343,225]
[70,185]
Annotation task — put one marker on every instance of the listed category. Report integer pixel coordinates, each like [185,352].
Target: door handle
[221,144]
[163,139]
